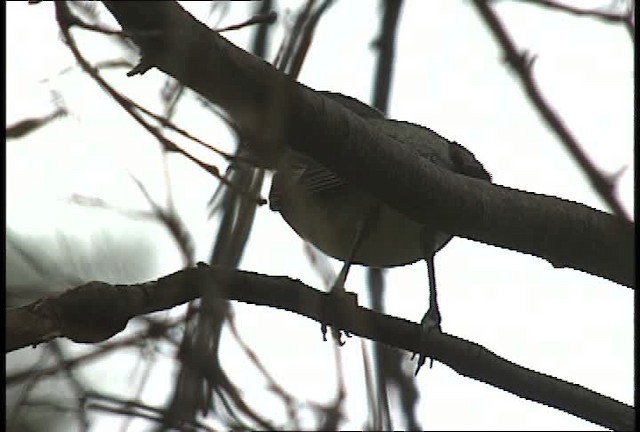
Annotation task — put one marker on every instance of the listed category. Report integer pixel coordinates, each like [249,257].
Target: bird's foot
[335,332]
[430,322]
[343,302]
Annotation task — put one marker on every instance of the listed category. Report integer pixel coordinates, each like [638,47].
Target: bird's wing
[466,163]
[312,176]
[307,175]
[360,108]
[315,178]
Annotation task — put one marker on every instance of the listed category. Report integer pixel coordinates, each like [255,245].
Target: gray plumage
[350,224]
[326,211]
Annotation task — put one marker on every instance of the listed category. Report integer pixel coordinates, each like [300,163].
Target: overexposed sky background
[449,75]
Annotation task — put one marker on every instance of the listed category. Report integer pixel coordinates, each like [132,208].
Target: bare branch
[25,127]
[610,17]
[522,64]
[96,311]
[626,19]
[66,20]
[274,113]
[268,18]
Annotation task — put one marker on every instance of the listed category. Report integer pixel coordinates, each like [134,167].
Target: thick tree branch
[96,311]
[275,113]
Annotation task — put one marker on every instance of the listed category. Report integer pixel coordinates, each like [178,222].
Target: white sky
[449,76]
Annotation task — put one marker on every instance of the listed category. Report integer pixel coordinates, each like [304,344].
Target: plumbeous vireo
[353,226]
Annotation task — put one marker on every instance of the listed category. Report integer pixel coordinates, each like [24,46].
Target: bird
[355,227]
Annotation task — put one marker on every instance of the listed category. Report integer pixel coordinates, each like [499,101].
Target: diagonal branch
[273,113]
[609,17]
[522,64]
[65,20]
[96,311]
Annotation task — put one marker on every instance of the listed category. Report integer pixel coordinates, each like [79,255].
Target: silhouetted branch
[97,311]
[267,18]
[201,339]
[625,19]
[25,127]
[134,409]
[66,20]
[522,63]
[275,113]
[24,337]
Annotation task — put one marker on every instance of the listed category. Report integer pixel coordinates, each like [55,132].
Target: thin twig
[522,63]
[268,18]
[155,330]
[626,19]
[66,20]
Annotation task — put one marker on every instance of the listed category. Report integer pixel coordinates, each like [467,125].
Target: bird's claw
[430,322]
[341,300]
[335,332]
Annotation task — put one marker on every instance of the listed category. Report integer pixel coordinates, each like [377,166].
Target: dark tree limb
[96,311]
[275,113]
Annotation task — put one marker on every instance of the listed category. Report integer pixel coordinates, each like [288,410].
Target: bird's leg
[337,290]
[338,285]
[432,318]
